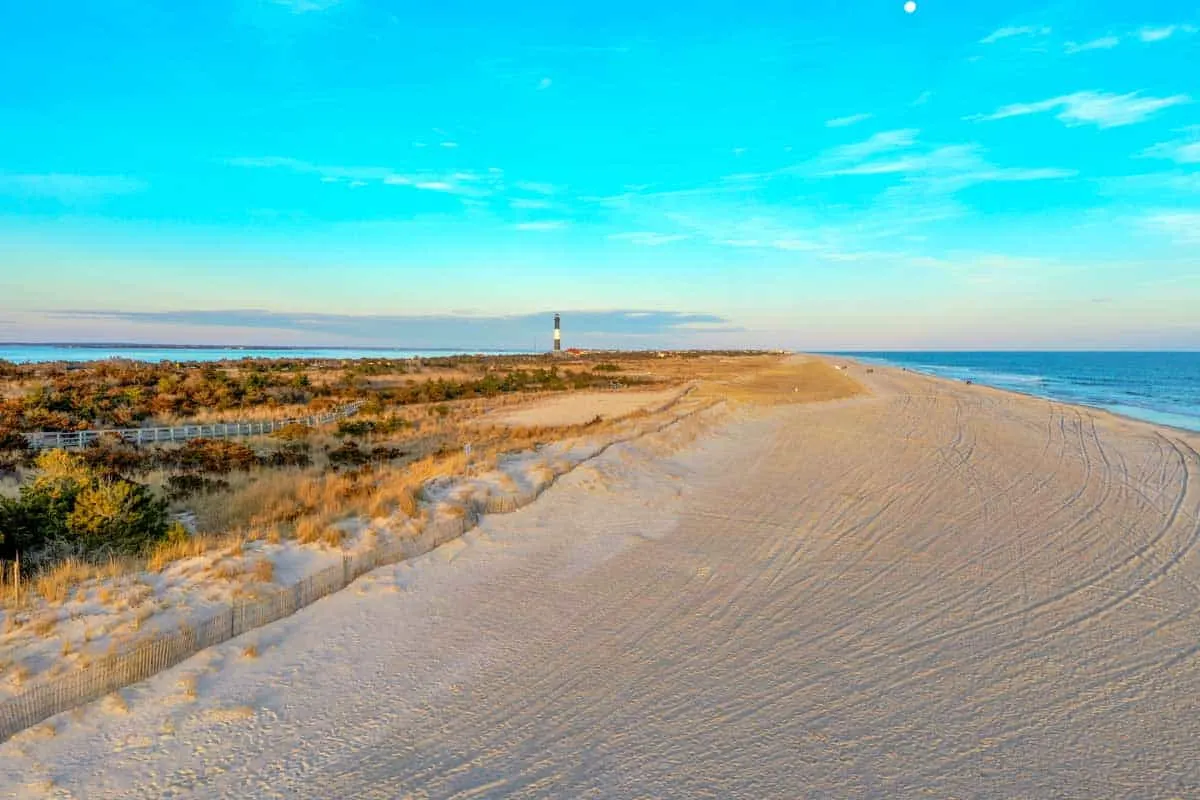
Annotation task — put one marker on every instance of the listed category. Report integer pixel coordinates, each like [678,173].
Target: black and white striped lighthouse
[557,334]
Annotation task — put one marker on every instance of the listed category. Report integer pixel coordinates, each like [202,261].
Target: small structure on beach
[557,335]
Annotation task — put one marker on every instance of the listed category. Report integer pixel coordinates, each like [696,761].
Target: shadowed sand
[935,590]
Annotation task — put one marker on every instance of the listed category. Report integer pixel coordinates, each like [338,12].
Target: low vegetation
[65,517]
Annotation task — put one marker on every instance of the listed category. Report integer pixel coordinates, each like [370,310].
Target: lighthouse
[557,335]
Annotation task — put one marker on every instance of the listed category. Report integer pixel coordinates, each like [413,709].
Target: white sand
[576,408]
[940,590]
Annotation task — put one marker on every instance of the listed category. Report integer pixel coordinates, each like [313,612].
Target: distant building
[557,334]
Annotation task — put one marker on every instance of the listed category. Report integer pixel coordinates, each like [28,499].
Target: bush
[348,455]
[114,456]
[72,508]
[292,455]
[11,441]
[355,427]
[293,433]
[382,453]
[211,455]
[606,367]
[118,516]
[180,487]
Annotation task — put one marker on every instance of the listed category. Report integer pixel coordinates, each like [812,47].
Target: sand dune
[577,408]
[936,590]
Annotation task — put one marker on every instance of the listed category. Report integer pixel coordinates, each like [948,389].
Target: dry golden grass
[115,703]
[166,552]
[263,570]
[57,583]
[142,616]
[226,570]
[43,624]
[308,530]
[332,536]
[20,675]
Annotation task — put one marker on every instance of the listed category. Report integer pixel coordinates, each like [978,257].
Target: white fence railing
[71,440]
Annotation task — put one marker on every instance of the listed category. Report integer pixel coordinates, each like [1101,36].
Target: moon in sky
[910,7]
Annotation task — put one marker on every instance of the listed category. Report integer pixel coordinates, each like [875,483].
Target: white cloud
[536,188]
[545,83]
[1159,34]
[648,238]
[305,6]
[466,184]
[1181,151]
[844,122]
[547,225]
[450,144]
[1103,43]
[67,187]
[521,202]
[953,166]
[923,98]
[1156,34]
[1095,108]
[1182,227]
[1009,32]
[881,142]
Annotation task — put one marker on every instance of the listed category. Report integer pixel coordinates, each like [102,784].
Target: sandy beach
[933,590]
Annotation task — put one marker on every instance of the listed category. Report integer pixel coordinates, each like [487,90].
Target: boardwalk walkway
[70,440]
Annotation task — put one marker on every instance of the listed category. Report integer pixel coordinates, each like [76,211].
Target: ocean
[32,353]
[1163,388]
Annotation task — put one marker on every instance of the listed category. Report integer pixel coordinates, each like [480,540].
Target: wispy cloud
[923,98]
[543,225]
[1182,227]
[648,238]
[305,6]
[1095,108]
[68,188]
[881,142]
[536,188]
[898,153]
[526,203]
[1009,32]
[1103,43]
[844,122]
[1181,151]
[462,182]
[1152,34]
[545,83]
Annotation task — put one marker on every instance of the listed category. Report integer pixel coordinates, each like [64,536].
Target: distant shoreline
[1145,416]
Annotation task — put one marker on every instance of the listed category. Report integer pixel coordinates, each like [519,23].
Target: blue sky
[819,175]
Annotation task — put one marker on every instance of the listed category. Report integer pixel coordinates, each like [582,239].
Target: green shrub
[118,516]
[70,507]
